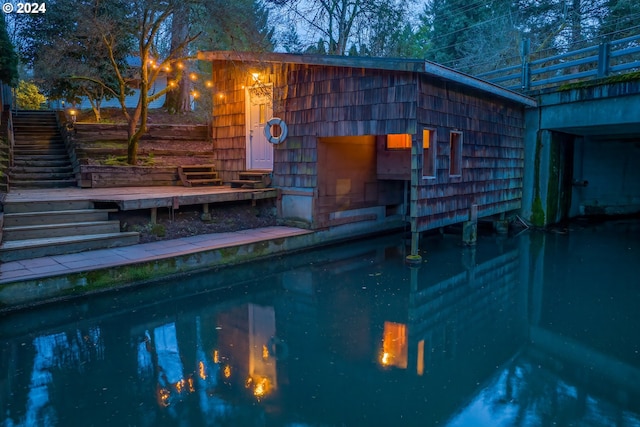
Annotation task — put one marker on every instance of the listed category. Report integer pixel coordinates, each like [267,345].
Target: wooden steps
[252,179]
[194,175]
[40,155]
[44,228]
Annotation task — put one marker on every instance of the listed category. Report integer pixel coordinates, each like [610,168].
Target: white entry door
[259,110]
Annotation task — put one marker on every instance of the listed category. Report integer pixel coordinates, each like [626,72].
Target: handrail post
[603,59]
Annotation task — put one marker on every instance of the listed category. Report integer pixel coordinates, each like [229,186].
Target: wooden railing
[593,62]
[6,136]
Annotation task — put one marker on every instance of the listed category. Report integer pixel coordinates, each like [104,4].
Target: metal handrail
[597,61]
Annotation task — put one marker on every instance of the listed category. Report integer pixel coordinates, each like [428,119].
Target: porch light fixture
[73,113]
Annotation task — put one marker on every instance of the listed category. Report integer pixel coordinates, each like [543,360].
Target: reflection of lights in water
[216,356]
[261,386]
[265,352]
[394,345]
[384,359]
[226,371]
[201,371]
[163,397]
[181,386]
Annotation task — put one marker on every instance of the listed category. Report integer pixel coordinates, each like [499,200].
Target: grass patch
[122,161]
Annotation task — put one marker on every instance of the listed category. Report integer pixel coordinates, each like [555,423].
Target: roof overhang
[392,64]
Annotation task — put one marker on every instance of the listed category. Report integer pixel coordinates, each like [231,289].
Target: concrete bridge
[582,154]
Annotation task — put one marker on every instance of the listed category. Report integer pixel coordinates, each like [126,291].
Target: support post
[154,216]
[603,60]
[206,215]
[501,225]
[470,228]
[526,81]
[416,151]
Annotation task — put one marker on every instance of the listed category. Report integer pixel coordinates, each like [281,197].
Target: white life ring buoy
[276,121]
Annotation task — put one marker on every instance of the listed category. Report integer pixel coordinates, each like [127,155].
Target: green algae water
[540,329]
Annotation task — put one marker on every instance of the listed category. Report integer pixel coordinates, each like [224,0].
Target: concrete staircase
[37,229]
[40,158]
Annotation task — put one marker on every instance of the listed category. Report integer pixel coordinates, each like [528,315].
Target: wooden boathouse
[369,139]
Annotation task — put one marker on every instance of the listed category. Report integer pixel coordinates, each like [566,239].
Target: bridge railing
[598,61]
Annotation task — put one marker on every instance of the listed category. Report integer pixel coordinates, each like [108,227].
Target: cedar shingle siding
[321,103]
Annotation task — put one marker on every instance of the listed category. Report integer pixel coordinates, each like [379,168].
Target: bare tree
[144,22]
[331,21]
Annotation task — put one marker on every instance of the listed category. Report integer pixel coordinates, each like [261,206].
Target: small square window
[455,153]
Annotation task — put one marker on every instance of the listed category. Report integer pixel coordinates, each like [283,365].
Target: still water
[540,329]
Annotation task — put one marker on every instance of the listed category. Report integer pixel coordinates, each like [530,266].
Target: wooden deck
[131,198]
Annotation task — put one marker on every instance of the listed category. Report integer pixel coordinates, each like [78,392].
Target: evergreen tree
[65,42]
[290,40]
[8,57]
[390,33]
[241,25]
[622,19]
[460,33]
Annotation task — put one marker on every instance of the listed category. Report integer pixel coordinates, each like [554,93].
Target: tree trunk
[132,143]
[95,107]
[177,101]
[134,133]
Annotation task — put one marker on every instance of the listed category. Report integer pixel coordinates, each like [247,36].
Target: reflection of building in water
[248,343]
[241,354]
[262,348]
[394,345]
[49,358]
[443,328]
[357,339]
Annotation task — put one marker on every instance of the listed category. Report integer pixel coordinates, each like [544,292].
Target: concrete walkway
[58,265]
